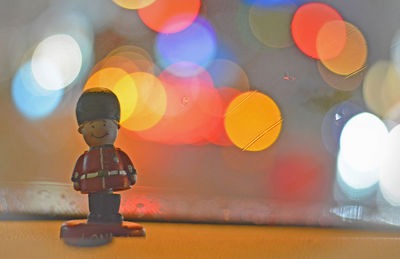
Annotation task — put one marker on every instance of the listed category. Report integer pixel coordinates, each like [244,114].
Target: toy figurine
[100,171]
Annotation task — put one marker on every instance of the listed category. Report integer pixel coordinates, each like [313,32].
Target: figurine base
[81,233]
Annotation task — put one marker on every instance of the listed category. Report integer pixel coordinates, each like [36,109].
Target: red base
[81,233]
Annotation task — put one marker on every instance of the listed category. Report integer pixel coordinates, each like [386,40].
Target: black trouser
[104,207]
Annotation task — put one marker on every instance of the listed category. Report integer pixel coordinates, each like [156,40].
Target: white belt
[103,174]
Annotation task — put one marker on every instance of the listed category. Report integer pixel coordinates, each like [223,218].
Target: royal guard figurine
[100,171]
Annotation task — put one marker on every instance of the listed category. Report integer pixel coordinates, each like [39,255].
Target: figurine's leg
[96,207]
[113,204]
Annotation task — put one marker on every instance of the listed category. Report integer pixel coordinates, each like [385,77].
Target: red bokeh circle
[170,16]
[307,23]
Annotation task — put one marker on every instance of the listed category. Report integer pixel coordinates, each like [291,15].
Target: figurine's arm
[128,166]
[77,173]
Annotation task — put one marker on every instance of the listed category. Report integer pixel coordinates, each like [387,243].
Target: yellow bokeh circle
[133,4]
[381,89]
[121,83]
[253,121]
[151,102]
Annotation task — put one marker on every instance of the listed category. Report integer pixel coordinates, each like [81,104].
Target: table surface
[40,239]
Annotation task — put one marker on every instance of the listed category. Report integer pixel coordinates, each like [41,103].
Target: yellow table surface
[40,239]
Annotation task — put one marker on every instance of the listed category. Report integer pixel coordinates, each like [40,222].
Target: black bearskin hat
[96,104]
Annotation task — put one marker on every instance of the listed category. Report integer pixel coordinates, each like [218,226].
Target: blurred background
[236,111]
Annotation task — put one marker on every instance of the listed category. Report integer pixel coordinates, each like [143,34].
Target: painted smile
[106,134]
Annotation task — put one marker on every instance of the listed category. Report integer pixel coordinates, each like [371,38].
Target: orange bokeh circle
[253,121]
[353,56]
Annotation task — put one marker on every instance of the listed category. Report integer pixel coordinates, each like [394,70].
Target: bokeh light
[226,73]
[151,102]
[271,24]
[56,62]
[30,98]
[353,56]
[178,47]
[391,89]
[389,175]
[253,121]
[341,82]
[121,83]
[170,16]
[333,123]
[67,20]
[133,4]
[356,183]
[381,88]
[372,87]
[307,23]
[361,142]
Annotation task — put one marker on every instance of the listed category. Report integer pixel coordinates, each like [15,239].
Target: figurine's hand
[132,178]
[77,186]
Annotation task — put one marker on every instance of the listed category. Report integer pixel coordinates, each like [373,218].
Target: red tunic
[103,168]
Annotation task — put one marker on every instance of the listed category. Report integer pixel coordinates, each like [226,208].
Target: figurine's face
[99,132]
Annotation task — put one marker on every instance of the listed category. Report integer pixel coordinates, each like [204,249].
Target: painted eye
[104,124]
[92,126]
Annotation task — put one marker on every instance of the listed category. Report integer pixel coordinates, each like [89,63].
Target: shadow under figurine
[99,172]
